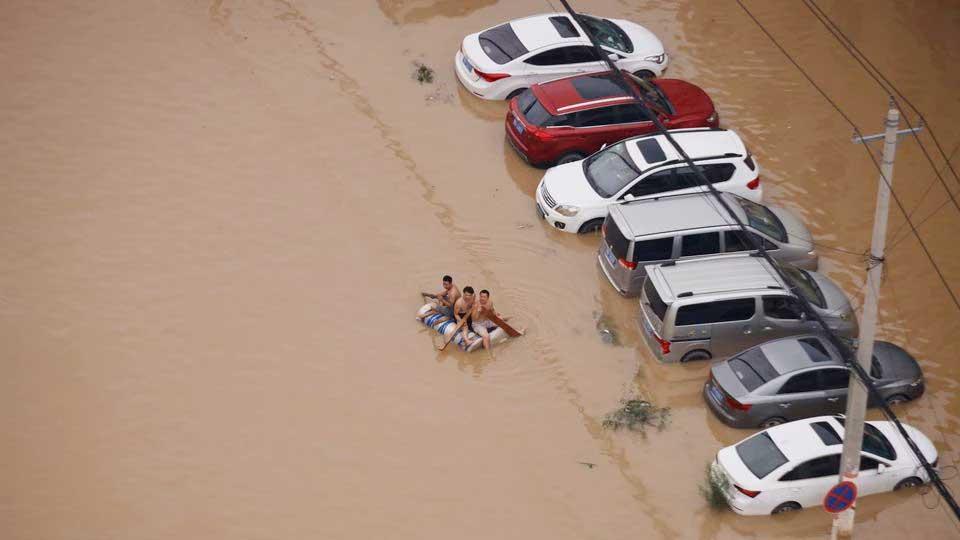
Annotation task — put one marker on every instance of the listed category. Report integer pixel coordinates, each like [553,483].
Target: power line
[847,353]
[920,202]
[873,158]
[851,48]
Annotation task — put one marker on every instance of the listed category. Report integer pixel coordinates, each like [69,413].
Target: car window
[609,170]
[741,309]
[834,378]
[653,250]
[867,463]
[700,244]
[538,115]
[763,219]
[619,244]
[807,381]
[815,349]
[631,113]
[805,285]
[874,441]
[719,172]
[607,33]
[735,241]
[760,454]
[815,468]
[752,368]
[596,117]
[826,433]
[658,182]
[501,44]
[553,57]
[564,26]
[579,54]
[782,307]
[653,299]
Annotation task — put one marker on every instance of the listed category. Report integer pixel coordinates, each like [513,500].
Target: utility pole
[857,392]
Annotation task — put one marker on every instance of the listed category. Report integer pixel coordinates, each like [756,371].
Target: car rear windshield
[502,44]
[610,170]
[801,281]
[761,455]
[607,33]
[615,239]
[536,113]
[752,368]
[653,299]
[762,219]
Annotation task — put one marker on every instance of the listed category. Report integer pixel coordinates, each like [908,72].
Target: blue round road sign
[840,497]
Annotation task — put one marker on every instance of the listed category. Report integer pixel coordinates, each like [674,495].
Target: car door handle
[768,328]
[747,331]
[785,405]
[833,399]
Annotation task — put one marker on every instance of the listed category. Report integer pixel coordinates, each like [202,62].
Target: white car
[793,465]
[573,197]
[502,61]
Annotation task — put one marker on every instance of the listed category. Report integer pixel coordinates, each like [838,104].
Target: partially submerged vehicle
[446,325]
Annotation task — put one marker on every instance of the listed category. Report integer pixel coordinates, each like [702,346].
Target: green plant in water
[715,488]
[423,74]
[637,415]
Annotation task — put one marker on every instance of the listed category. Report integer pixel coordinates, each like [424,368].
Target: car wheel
[568,158]
[770,422]
[696,355]
[591,226]
[786,507]
[515,93]
[911,482]
[645,74]
[897,399]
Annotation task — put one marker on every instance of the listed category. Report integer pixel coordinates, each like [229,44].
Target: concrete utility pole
[857,392]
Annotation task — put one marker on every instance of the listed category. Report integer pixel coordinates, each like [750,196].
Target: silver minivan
[652,231]
[715,307]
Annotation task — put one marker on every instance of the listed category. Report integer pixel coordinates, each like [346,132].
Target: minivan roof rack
[685,294]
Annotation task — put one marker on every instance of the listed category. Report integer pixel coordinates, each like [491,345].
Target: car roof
[672,213]
[799,442]
[566,95]
[787,355]
[710,275]
[538,31]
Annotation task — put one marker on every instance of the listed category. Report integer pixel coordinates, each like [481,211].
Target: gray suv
[715,307]
[650,231]
[799,377]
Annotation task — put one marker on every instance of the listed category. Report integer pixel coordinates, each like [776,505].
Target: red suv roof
[581,92]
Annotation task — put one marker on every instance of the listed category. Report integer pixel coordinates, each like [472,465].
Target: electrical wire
[854,366]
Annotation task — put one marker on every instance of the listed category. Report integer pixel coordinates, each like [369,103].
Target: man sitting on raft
[444,300]
[481,322]
[464,308]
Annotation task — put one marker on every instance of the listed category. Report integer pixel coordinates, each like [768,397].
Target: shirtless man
[464,309]
[481,322]
[444,300]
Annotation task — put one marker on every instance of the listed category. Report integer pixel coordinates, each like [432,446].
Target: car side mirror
[613,57]
[880,468]
[628,197]
[803,315]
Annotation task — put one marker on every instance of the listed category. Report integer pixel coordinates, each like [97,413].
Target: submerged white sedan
[503,61]
[793,465]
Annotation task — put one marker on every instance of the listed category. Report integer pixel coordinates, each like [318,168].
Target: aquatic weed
[423,73]
[637,415]
[714,490]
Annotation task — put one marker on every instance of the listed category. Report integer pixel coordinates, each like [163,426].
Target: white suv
[503,61]
[573,197]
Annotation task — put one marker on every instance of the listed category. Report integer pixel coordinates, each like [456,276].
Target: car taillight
[737,405]
[491,77]
[747,492]
[664,344]
[629,265]
[754,184]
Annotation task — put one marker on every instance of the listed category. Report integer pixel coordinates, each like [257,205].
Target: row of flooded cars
[703,294]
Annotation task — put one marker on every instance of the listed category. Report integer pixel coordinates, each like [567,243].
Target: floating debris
[715,488]
[605,329]
[423,73]
[637,415]
[587,464]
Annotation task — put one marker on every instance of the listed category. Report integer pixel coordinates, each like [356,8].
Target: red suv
[568,119]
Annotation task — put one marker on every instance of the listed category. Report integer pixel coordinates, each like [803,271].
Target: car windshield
[874,441]
[607,33]
[761,455]
[653,95]
[801,281]
[610,170]
[752,368]
[762,219]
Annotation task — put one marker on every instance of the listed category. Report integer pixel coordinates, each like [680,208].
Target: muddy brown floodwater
[215,218]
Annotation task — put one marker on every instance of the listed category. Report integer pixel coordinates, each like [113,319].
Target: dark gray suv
[799,377]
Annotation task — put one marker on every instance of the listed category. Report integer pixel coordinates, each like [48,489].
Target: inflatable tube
[444,326]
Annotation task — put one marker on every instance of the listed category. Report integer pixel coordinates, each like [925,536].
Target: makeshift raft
[445,325]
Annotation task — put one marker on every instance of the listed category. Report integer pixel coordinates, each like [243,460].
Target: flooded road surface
[215,218]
